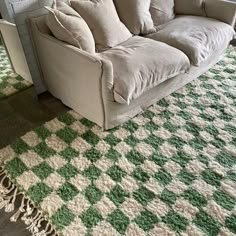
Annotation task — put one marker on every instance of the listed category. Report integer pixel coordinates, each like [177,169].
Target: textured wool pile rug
[10,83]
[168,171]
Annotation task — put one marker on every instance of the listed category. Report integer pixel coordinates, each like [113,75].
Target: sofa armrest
[77,78]
[222,10]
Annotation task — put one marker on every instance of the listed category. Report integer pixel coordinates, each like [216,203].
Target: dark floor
[19,114]
[24,111]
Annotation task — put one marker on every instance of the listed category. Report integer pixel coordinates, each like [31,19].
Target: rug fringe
[29,214]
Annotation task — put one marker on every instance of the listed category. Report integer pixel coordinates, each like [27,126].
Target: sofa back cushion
[162,11]
[71,29]
[103,20]
[190,7]
[135,15]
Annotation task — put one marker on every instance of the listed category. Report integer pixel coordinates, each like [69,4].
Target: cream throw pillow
[103,20]
[135,15]
[162,11]
[190,7]
[71,29]
[63,6]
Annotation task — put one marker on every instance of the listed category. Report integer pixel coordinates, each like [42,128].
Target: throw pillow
[162,11]
[135,15]
[104,22]
[190,7]
[63,6]
[71,29]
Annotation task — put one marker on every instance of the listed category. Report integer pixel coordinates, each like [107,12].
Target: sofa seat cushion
[140,64]
[198,37]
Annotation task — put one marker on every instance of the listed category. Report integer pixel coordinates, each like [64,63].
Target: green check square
[230,223]
[44,151]
[117,195]
[131,141]
[151,126]
[135,157]
[159,159]
[176,141]
[67,134]
[224,200]
[208,224]
[175,221]
[89,124]
[42,170]
[170,127]
[42,132]
[143,196]
[140,175]
[68,171]
[38,192]
[119,221]
[93,154]
[181,158]
[19,146]
[154,141]
[113,155]
[130,126]
[186,177]
[91,217]
[163,177]
[194,197]
[211,177]
[63,217]
[146,220]
[69,154]
[93,194]
[67,119]
[92,172]
[116,173]
[67,192]
[198,144]
[148,114]
[168,197]
[90,137]
[15,167]
[226,159]
[112,140]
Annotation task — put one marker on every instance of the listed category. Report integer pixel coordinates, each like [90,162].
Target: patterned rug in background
[168,171]
[10,83]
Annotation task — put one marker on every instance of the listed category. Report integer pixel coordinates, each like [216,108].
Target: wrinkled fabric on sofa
[198,37]
[140,64]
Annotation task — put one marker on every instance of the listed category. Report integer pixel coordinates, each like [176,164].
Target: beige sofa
[111,86]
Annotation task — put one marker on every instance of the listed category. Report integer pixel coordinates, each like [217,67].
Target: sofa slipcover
[140,64]
[135,15]
[198,37]
[104,22]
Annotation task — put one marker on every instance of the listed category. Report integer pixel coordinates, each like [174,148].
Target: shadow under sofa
[85,83]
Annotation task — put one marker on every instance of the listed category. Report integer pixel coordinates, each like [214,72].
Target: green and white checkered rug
[168,171]
[10,83]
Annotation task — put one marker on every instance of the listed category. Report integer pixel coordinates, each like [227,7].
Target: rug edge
[27,211]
